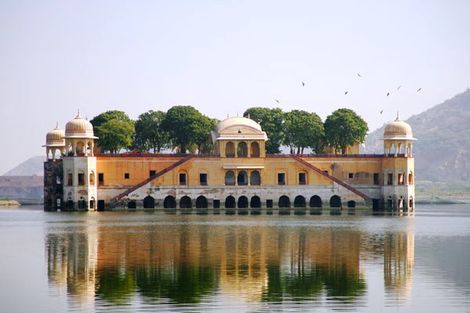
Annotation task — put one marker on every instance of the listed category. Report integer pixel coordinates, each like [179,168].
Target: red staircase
[336,180]
[162,172]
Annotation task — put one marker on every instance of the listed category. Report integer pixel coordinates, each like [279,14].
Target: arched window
[69,204]
[242,202]
[255,202]
[255,150]
[229,202]
[230,150]
[410,203]
[92,203]
[229,178]
[242,150]
[351,204]
[255,178]
[149,202]
[335,201]
[299,202]
[284,202]
[315,202]
[242,178]
[82,203]
[131,204]
[80,148]
[169,202]
[201,202]
[410,178]
[185,203]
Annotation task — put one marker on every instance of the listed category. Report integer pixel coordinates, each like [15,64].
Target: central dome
[79,128]
[398,130]
[233,122]
[238,128]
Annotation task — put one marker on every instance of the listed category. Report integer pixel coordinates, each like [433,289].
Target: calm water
[140,262]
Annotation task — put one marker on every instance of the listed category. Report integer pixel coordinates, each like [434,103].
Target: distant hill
[30,167]
[442,151]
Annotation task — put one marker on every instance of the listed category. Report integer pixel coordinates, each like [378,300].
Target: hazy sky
[223,57]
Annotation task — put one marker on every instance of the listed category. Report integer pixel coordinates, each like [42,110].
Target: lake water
[147,262]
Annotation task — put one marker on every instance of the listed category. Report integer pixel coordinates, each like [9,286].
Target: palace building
[238,177]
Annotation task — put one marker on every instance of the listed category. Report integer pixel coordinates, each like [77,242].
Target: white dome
[398,130]
[238,128]
[79,128]
[55,138]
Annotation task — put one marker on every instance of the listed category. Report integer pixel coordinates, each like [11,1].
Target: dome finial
[56,125]
[398,116]
[78,114]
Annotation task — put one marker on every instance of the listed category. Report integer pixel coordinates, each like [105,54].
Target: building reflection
[185,263]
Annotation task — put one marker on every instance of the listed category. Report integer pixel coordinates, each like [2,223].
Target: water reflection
[183,263]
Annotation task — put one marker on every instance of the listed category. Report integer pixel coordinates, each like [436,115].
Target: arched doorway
[299,202]
[255,150]
[255,202]
[242,178]
[315,202]
[229,202]
[242,150]
[185,203]
[229,178]
[255,179]
[131,204]
[169,202]
[335,201]
[230,150]
[351,204]
[201,202]
[284,202]
[149,202]
[242,202]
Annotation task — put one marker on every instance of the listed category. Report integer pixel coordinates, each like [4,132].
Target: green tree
[344,127]
[107,116]
[271,121]
[115,135]
[303,129]
[149,133]
[186,127]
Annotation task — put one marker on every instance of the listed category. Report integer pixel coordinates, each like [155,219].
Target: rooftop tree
[149,133]
[303,129]
[115,130]
[271,121]
[343,128]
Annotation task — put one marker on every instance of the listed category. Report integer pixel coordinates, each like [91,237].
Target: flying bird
[277,101]
[388,94]
[419,89]
[346,92]
[398,88]
[381,111]
[359,75]
[303,84]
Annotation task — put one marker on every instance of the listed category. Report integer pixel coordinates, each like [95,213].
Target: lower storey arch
[351,204]
[299,202]
[284,202]
[230,202]
[243,202]
[185,203]
[169,202]
[201,202]
[255,202]
[149,202]
[131,204]
[315,202]
[335,201]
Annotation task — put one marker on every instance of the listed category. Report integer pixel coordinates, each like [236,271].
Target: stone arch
[81,203]
[410,178]
[299,202]
[69,205]
[185,203]
[255,150]
[284,202]
[255,202]
[242,150]
[335,201]
[410,203]
[242,178]
[351,204]
[315,202]
[229,178]
[230,150]
[243,202]
[255,178]
[169,202]
[149,202]
[230,202]
[92,203]
[201,202]
[131,204]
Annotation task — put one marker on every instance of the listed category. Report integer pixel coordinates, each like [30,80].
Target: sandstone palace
[238,177]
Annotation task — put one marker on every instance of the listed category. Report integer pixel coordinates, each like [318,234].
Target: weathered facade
[240,176]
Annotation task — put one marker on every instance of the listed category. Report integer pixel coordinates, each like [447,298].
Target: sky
[222,57]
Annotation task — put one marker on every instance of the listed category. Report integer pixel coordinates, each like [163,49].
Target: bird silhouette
[277,101]
[419,89]
[346,92]
[359,75]
[398,88]
[388,94]
[303,84]
[381,111]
